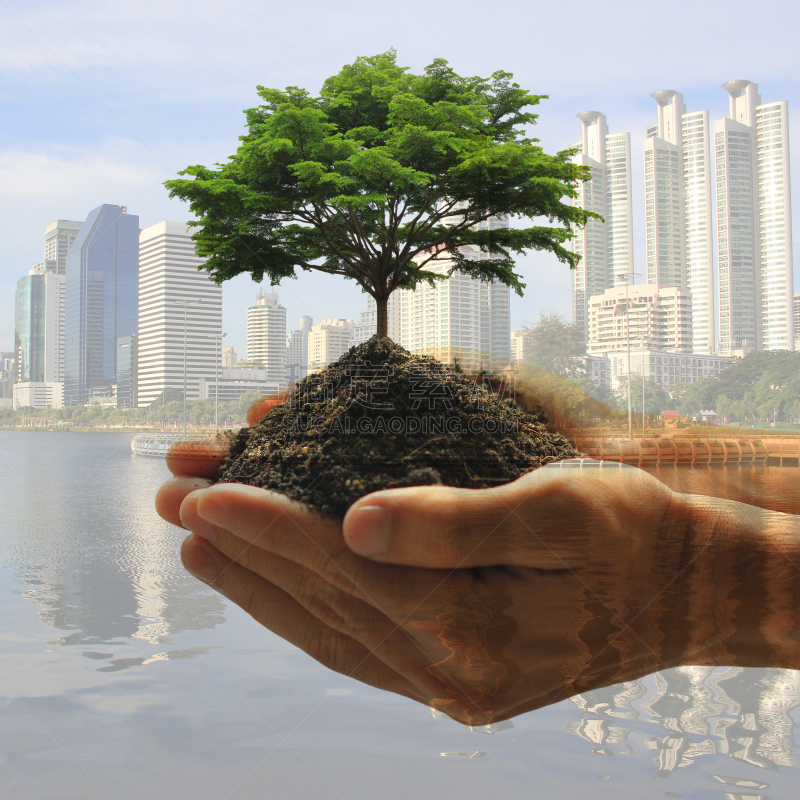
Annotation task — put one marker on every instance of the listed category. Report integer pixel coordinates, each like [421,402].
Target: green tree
[692,398]
[655,398]
[382,173]
[554,345]
[601,393]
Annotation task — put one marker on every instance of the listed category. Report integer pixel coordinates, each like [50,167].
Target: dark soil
[380,418]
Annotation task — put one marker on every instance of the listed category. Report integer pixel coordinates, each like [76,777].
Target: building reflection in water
[744,714]
[101,565]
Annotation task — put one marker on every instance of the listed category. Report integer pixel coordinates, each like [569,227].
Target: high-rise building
[605,247]
[127,367]
[754,223]
[266,335]
[180,314]
[39,340]
[58,238]
[520,346]
[8,376]
[328,341]
[101,299]
[297,351]
[459,320]
[229,357]
[645,315]
[797,319]
[38,332]
[678,176]
[367,326]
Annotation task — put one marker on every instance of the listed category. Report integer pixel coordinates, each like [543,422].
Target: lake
[124,677]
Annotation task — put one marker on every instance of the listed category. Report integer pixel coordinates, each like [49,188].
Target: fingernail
[212,511]
[370,530]
[204,563]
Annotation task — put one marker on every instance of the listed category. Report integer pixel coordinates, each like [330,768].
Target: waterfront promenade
[665,448]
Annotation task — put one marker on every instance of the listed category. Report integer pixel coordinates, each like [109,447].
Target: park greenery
[165,413]
[759,388]
[380,175]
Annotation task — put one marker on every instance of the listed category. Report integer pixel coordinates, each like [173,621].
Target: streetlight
[629,276]
[644,404]
[185,303]
[218,338]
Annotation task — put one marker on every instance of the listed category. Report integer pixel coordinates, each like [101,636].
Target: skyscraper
[677,164]
[38,334]
[297,351]
[328,341]
[172,291]
[458,320]
[797,319]
[101,298]
[367,325]
[229,357]
[266,335]
[606,248]
[58,238]
[754,223]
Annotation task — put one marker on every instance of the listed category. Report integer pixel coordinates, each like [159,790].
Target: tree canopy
[554,345]
[761,384]
[381,174]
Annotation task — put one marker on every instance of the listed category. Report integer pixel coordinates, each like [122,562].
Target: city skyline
[128,125]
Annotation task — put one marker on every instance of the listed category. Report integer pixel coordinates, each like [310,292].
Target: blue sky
[100,102]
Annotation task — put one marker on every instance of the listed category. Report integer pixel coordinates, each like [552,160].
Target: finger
[541,520]
[172,493]
[261,407]
[283,615]
[282,527]
[199,458]
[356,615]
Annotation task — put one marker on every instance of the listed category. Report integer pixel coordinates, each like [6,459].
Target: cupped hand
[481,603]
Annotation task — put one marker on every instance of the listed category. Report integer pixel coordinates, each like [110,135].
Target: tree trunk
[383,316]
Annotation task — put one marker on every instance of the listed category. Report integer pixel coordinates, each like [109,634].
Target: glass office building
[127,352]
[39,341]
[30,314]
[101,296]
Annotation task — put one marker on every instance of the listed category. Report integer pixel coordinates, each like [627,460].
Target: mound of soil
[380,418]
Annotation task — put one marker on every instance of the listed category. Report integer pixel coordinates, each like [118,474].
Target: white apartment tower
[171,330]
[367,326]
[754,223]
[646,315]
[297,351]
[328,341]
[606,248]
[678,176]
[458,320]
[229,357]
[266,335]
[58,238]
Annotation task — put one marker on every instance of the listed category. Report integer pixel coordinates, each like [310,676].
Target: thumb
[443,527]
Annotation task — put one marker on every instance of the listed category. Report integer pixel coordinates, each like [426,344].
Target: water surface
[124,677]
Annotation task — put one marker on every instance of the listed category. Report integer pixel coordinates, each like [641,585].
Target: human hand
[499,600]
